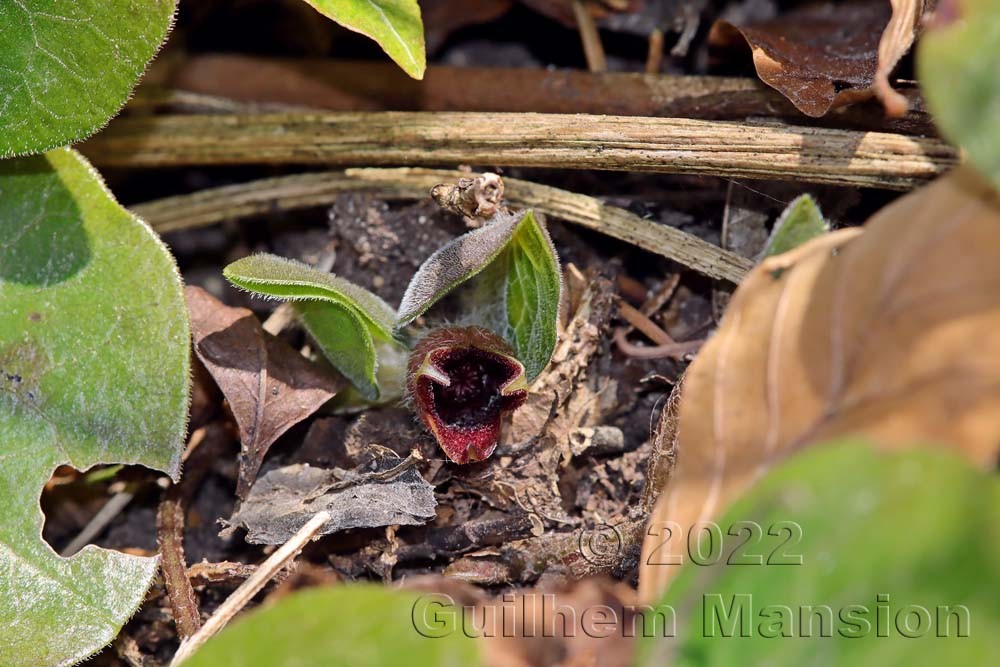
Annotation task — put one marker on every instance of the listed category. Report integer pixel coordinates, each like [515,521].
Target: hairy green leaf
[958,62]
[454,264]
[799,222]
[343,339]
[394,24]
[528,273]
[287,279]
[837,557]
[348,322]
[93,369]
[514,285]
[67,67]
[345,626]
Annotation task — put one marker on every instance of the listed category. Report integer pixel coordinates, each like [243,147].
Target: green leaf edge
[792,216]
[322,599]
[327,286]
[77,137]
[173,469]
[534,367]
[417,65]
[838,450]
[936,63]
[321,287]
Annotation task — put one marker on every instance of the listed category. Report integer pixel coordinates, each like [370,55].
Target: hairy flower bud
[461,381]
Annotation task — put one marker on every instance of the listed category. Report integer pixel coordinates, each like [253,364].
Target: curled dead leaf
[896,40]
[890,332]
[825,56]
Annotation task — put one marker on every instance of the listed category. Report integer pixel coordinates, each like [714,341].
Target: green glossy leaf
[958,63]
[94,369]
[892,544]
[799,222]
[514,285]
[394,24]
[344,626]
[346,321]
[66,67]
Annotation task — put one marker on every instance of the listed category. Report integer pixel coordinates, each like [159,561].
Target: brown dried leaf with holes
[888,332]
[826,56]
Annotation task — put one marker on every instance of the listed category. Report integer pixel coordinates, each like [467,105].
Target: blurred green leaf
[67,67]
[514,285]
[94,351]
[344,626]
[347,321]
[958,63]
[799,222]
[394,24]
[103,474]
[919,527]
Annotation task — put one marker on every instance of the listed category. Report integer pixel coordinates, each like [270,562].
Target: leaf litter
[586,434]
[269,386]
[879,331]
[391,493]
[826,56]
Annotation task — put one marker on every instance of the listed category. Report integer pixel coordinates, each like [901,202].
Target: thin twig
[279,319]
[242,595]
[571,141]
[99,522]
[593,50]
[672,350]
[305,190]
[647,326]
[351,85]
[170,537]
[654,55]
[661,296]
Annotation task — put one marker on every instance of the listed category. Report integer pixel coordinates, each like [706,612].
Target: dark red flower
[462,380]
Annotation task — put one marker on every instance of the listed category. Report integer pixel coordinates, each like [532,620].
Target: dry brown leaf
[270,386]
[390,492]
[891,333]
[825,56]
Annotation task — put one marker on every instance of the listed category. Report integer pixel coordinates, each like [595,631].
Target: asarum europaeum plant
[460,376]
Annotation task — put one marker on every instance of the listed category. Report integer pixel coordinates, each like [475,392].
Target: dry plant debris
[270,387]
[750,149]
[826,56]
[392,493]
[196,84]
[879,332]
[235,202]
